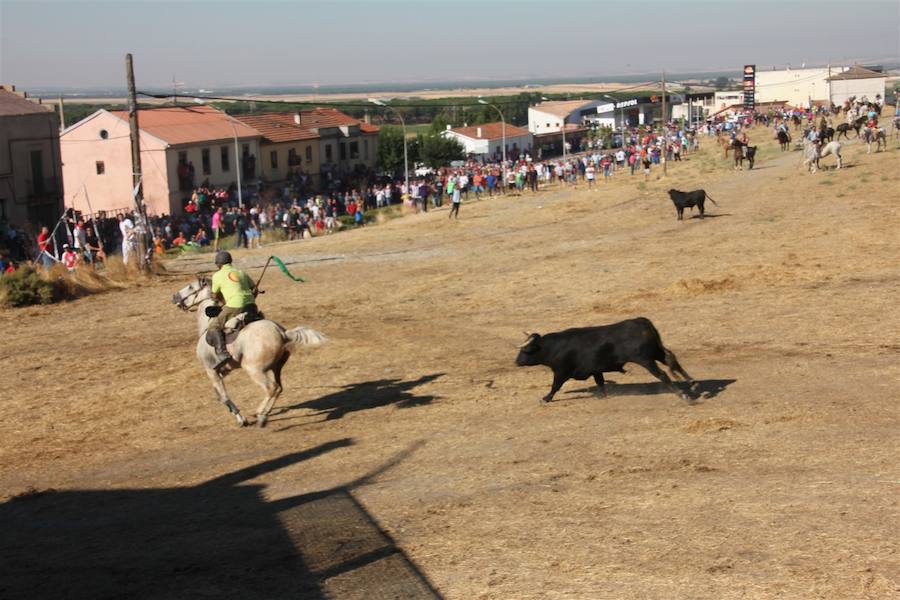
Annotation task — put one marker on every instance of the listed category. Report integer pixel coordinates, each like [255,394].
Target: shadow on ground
[703,388]
[367,395]
[711,216]
[220,539]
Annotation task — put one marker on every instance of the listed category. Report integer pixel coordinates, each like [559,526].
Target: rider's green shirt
[234,285]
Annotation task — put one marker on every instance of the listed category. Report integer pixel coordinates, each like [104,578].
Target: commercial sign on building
[627,103]
[749,87]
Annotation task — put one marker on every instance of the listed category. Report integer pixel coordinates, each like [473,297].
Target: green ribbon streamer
[284,269]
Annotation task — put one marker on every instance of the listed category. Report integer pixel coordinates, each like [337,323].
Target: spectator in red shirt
[46,247]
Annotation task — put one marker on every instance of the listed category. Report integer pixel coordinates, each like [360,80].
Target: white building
[857,81]
[695,107]
[798,87]
[635,111]
[726,98]
[487,139]
[549,117]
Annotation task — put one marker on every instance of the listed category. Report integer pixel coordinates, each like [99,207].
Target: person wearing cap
[69,258]
[236,291]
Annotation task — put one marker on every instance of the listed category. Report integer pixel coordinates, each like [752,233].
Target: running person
[457,200]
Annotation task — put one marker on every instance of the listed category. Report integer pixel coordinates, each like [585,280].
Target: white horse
[261,349]
[813,153]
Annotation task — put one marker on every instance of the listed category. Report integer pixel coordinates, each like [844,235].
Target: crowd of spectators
[220,217]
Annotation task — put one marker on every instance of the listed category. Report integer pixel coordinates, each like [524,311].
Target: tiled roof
[278,127]
[13,105]
[490,131]
[189,124]
[283,127]
[857,72]
[562,108]
[331,117]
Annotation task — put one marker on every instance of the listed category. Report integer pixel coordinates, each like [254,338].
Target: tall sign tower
[749,88]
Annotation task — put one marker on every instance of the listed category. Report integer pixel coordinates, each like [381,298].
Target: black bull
[683,200]
[591,351]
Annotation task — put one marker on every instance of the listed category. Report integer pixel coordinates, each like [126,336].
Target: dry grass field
[409,457]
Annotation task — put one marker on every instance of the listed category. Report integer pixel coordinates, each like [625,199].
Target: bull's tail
[674,366]
[708,197]
[303,336]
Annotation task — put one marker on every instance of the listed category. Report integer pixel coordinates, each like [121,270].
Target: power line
[466,101]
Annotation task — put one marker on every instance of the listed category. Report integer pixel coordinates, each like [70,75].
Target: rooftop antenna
[175,85]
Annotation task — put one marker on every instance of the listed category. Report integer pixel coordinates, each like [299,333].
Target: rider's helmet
[223,258]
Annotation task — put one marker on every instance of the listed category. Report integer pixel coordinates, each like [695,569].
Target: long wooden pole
[62,114]
[665,145]
[137,174]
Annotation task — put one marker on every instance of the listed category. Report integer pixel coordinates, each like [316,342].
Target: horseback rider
[236,291]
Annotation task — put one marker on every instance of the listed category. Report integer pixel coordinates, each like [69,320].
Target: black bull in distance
[683,200]
[591,351]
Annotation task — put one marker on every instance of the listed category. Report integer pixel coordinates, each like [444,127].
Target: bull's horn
[527,341]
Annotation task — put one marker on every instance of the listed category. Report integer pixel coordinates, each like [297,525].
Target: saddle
[235,324]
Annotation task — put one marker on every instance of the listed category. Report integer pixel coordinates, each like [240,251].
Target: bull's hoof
[545,400]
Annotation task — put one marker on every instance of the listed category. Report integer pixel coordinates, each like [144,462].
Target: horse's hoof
[241,420]
[261,421]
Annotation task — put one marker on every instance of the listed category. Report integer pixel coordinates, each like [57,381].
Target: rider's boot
[222,355]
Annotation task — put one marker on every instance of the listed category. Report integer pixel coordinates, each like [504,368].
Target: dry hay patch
[87,281]
[667,465]
[696,286]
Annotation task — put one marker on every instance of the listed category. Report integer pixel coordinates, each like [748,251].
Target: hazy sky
[207,44]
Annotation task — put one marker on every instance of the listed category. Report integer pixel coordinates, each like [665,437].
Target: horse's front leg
[218,383]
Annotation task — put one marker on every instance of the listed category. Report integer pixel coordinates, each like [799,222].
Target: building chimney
[367,118]
[478,132]
[297,118]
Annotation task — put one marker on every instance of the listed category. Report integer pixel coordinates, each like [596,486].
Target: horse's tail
[304,336]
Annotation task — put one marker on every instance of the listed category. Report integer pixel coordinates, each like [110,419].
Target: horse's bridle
[182,302]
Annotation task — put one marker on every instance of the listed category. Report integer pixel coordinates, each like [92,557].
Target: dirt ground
[409,457]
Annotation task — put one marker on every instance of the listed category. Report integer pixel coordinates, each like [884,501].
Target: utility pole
[137,182]
[62,114]
[665,145]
